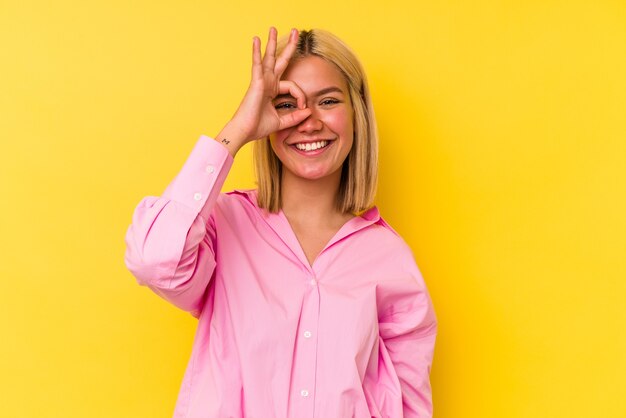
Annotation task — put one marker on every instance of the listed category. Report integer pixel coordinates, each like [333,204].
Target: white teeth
[312,146]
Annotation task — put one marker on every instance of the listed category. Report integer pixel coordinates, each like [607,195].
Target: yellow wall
[503,146]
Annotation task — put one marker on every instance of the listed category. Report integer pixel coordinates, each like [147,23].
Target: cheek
[279,137]
[276,139]
[340,122]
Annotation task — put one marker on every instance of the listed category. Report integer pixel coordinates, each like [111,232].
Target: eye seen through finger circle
[293,104]
[285,105]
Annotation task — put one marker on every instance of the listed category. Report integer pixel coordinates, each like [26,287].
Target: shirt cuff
[199,182]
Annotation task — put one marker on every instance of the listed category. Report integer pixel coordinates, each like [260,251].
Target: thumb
[293,118]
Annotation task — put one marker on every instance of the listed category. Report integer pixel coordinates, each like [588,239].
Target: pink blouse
[352,335]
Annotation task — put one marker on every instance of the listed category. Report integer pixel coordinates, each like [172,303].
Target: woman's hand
[256,116]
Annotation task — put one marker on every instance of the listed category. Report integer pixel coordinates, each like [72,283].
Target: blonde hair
[359,173]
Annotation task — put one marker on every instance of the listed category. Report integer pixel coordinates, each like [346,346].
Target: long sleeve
[170,244]
[408,331]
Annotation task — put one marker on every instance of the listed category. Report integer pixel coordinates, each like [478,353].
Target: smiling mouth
[311,146]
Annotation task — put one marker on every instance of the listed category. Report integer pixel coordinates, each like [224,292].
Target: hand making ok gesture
[256,116]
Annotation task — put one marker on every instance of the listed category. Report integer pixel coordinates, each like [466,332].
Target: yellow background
[503,146]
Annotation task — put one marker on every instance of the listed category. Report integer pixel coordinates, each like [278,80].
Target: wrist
[231,138]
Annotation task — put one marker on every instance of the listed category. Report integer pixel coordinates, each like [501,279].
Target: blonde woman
[309,303]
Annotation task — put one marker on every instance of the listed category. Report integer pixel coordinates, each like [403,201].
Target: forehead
[313,73]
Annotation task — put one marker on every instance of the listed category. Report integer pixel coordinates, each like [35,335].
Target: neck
[310,201]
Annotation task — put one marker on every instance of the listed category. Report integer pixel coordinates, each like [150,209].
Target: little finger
[257,69]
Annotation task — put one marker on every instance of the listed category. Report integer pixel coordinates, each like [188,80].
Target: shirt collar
[279,223]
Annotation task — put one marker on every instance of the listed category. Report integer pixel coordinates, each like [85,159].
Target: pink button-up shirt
[350,336]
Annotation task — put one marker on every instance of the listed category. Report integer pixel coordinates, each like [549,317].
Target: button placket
[306,357]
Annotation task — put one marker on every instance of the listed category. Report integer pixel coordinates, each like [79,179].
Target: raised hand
[256,116]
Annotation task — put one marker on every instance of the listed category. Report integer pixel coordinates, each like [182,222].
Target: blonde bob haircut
[359,173]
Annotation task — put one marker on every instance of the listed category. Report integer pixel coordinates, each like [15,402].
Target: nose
[311,124]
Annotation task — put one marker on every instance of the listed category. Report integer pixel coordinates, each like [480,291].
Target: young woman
[309,303]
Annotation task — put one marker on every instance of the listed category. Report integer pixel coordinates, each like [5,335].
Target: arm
[408,330]
[170,243]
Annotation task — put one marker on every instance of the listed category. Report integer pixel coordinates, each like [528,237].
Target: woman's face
[316,147]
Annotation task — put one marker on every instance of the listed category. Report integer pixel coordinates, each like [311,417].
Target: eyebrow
[319,93]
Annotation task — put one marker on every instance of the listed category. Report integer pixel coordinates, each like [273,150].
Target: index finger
[283,59]
[291,88]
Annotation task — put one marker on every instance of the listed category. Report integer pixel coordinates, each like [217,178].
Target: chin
[313,175]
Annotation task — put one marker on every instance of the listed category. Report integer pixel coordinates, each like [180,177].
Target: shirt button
[209,169]
[307,334]
[313,282]
[304,393]
[197,196]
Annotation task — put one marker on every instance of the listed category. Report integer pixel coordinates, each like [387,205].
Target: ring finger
[270,50]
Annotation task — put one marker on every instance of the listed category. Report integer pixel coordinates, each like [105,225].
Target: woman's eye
[285,105]
[330,101]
